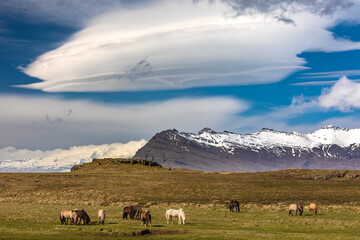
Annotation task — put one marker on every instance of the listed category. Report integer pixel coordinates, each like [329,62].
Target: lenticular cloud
[176,45]
[23,160]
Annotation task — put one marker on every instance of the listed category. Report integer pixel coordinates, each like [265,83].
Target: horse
[146,218]
[81,215]
[101,215]
[234,204]
[128,211]
[296,208]
[313,207]
[175,213]
[137,211]
[65,215]
[73,217]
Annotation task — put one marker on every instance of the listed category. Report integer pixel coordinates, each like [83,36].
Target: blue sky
[86,72]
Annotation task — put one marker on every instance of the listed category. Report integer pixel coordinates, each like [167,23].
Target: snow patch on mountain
[268,138]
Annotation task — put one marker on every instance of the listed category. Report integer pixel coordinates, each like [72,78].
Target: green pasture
[30,203]
[41,221]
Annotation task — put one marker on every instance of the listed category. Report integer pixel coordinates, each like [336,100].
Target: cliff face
[327,148]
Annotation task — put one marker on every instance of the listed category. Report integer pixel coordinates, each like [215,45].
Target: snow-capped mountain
[328,148]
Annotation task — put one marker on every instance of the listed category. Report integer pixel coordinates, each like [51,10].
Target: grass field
[40,221]
[30,203]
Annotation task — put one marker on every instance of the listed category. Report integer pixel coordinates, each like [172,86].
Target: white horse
[101,215]
[175,213]
[295,208]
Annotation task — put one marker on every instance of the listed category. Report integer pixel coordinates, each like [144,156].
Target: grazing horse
[128,211]
[234,204]
[101,215]
[81,215]
[65,215]
[145,218]
[175,213]
[313,208]
[296,208]
[73,217]
[137,211]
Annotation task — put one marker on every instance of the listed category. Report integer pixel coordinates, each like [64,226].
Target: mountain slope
[328,148]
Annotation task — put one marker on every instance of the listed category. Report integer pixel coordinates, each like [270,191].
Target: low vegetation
[30,203]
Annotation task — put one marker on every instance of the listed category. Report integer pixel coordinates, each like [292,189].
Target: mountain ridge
[330,147]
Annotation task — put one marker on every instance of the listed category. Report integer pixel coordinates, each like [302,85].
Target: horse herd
[297,208]
[313,207]
[76,215]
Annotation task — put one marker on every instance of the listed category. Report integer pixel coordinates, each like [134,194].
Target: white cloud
[344,95]
[12,159]
[48,123]
[187,45]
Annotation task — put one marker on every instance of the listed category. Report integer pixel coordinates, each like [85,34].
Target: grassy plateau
[30,203]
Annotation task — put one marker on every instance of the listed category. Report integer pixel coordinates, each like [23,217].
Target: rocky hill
[115,164]
[328,148]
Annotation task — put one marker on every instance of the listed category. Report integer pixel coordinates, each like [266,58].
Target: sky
[106,76]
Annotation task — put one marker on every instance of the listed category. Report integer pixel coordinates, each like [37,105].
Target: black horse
[234,204]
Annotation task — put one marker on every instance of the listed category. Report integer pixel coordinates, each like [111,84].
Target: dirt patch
[147,232]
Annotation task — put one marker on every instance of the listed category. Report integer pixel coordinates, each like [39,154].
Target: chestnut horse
[145,218]
[313,208]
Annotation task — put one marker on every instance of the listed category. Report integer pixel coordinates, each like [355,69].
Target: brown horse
[234,204]
[81,215]
[137,211]
[128,211]
[313,208]
[146,218]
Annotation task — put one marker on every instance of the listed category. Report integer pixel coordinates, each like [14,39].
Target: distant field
[30,203]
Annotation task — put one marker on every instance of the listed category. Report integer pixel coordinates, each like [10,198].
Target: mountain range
[327,148]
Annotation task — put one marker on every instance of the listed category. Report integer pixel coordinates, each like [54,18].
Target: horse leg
[179,219]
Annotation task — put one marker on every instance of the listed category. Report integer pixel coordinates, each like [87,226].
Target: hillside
[138,183]
[114,164]
[328,148]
